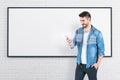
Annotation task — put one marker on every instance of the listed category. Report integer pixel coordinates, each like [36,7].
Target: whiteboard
[40,31]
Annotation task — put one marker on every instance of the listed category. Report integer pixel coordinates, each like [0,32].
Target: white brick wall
[55,68]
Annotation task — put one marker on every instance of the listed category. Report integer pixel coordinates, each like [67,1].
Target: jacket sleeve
[100,44]
[74,41]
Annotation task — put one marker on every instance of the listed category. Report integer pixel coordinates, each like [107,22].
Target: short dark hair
[85,14]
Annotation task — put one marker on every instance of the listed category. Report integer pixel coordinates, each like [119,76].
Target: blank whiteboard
[40,31]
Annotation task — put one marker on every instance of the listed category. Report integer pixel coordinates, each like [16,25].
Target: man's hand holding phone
[69,41]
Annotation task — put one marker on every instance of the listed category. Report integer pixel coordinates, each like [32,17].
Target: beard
[85,25]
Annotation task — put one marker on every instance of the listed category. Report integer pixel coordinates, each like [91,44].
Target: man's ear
[89,19]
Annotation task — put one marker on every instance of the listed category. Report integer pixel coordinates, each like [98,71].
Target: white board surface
[41,31]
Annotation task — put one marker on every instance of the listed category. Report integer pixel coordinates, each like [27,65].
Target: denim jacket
[95,45]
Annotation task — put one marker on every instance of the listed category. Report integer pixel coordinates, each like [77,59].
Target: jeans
[81,70]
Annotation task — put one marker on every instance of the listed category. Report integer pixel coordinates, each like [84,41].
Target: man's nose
[82,22]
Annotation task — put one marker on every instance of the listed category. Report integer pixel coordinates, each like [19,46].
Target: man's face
[85,21]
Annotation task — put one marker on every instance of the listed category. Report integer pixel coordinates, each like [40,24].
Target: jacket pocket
[79,38]
[92,40]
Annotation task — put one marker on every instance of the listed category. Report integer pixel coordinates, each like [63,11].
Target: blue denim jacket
[95,45]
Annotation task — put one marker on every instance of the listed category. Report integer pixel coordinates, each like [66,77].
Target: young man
[90,44]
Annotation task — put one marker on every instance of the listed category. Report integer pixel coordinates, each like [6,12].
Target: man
[90,44]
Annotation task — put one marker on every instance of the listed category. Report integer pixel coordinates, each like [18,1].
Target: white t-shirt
[84,48]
